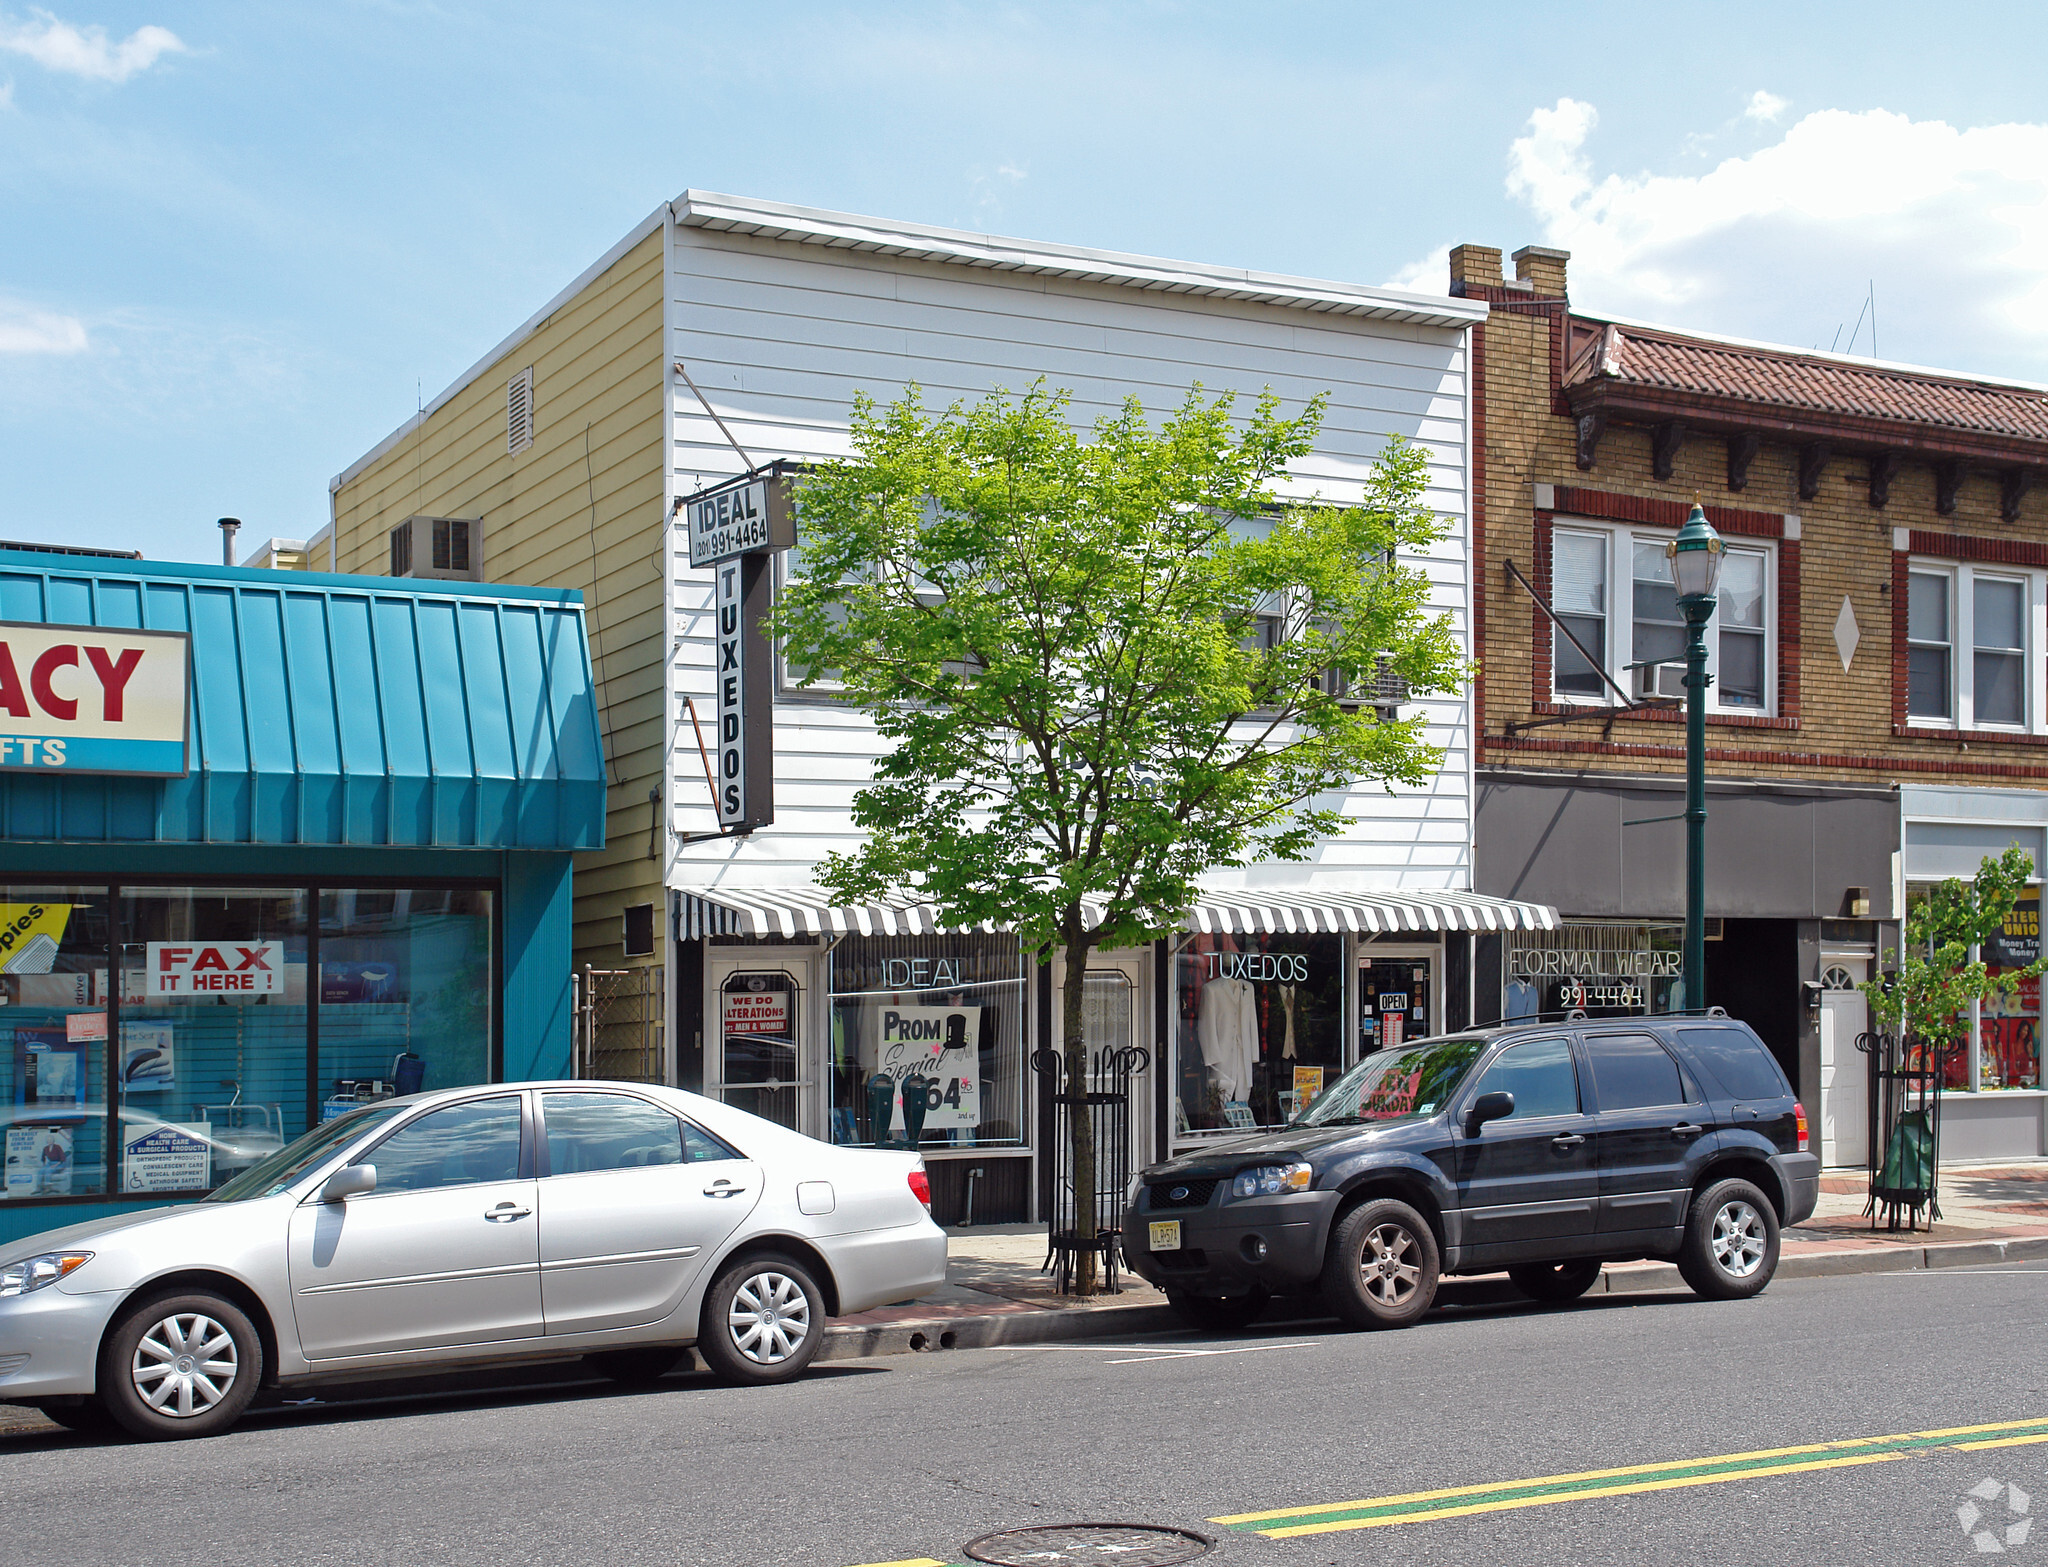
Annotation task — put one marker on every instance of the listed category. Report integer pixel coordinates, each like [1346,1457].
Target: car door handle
[506,1212]
[723,1189]
[1686,1129]
[1568,1140]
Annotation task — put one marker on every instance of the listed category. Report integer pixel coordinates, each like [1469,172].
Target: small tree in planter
[1926,1004]
[1107,665]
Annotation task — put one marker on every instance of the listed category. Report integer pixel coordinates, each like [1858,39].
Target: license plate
[1166,1235]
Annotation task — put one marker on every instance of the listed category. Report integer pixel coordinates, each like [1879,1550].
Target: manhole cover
[1092,1544]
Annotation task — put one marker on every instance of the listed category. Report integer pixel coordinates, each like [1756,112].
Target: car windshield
[1391,1085]
[293,1160]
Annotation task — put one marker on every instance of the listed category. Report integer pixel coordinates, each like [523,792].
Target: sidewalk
[995,1294]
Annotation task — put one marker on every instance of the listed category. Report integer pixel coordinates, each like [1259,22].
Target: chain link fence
[618,1032]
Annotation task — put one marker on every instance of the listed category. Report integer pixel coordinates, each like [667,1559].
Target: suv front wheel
[1731,1242]
[1382,1268]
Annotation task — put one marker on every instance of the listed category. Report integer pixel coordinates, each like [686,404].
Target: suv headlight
[1269,1180]
[32,1273]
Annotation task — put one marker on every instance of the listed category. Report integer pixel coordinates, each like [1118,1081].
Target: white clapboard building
[724,325]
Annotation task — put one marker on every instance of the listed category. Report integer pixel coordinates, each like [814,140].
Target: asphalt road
[910,1457]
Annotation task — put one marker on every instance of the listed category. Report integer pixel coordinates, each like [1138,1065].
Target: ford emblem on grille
[1178,1194]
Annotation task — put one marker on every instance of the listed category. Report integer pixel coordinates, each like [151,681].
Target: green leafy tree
[1108,663]
[1941,968]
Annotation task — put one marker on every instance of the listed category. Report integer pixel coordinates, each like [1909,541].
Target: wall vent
[519,412]
[447,548]
[638,930]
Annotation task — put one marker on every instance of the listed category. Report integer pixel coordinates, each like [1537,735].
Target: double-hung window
[1741,658]
[1971,639]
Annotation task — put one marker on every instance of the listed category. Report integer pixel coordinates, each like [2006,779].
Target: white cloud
[24,330]
[1950,224]
[87,51]
[1765,106]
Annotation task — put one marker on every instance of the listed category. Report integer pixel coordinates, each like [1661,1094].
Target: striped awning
[804,909]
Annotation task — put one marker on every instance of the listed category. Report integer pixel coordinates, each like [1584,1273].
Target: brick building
[1879,716]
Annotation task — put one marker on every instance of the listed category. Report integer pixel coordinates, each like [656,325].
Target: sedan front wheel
[180,1365]
[764,1320]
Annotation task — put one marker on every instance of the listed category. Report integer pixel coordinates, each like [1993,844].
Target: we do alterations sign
[734,529]
[92,699]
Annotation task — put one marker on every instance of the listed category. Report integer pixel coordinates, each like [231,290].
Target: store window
[1396,997]
[53,1076]
[927,1041]
[405,992]
[213,1032]
[1258,1028]
[1604,968]
[2009,1024]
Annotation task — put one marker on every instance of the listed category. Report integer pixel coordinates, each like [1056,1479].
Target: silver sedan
[469,1227]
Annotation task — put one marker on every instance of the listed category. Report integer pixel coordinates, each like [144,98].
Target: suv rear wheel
[1730,1249]
[1382,1268]
[1555,1281]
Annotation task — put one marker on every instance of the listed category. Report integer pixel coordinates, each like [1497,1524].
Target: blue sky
[238,241]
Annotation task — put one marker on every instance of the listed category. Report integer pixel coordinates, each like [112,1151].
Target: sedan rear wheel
[764,1319]
[180,1366]
[1382,1267]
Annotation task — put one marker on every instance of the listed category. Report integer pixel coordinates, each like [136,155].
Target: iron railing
[1112,1075]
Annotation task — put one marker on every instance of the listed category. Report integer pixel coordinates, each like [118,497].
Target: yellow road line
[1635,1489]
[2005,1441]
[908,1561]
[1631,1469]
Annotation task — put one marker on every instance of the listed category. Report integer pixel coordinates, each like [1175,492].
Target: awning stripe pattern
[809,910]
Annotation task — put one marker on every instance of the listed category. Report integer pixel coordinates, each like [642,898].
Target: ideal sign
[92,699]
[188,969]
[739,519]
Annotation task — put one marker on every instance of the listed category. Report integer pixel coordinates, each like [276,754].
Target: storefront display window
[212,1055]
[1604,968]
[1258,1027]
[405,992]
[2009,1024]
[940,1016]
[53,1075]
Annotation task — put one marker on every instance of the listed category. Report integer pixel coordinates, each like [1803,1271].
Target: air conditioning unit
[449,548]
[1658,680]
[1384,692]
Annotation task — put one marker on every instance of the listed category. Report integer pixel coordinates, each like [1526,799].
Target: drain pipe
[972,1176]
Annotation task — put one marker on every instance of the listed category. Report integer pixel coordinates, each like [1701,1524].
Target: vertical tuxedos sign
[745,761]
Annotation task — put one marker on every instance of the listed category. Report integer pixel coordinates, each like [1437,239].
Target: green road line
[1457,1501]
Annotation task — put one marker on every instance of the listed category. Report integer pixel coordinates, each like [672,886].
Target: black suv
[1542,1148]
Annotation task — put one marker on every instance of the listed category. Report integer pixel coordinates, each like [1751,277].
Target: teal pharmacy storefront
[271,844]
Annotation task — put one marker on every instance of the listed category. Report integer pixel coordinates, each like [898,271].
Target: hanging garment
[1288,994]
[1229,1034]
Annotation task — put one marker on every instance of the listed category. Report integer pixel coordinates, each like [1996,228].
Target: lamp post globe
[1695,559]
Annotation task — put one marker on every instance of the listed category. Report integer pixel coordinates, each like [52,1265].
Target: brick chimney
[1541,269]
[1478,265]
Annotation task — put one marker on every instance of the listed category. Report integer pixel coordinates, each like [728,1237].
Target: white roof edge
[525,329]
[927,242]
[1851,360]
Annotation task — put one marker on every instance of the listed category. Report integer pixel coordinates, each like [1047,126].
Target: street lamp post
[1695,558]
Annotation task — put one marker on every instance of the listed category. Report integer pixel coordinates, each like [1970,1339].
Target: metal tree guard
[1905,1130]
[1108,1109]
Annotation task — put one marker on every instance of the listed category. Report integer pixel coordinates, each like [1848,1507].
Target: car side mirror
[1488,1107]
[351,1180]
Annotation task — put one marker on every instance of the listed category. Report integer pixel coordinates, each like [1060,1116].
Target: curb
[922,1335]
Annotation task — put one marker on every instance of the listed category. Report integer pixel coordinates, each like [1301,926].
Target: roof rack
[1580,1015]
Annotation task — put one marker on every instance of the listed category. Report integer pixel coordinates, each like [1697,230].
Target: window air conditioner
[1658,680]
[448,548]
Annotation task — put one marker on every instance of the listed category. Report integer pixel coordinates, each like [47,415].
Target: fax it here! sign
[183,970]
[92,699]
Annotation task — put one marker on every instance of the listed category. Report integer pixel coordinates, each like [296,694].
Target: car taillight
[921,1185]
[1799,1119]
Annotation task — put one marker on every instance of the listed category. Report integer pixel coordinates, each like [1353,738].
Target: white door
[762,1050]
[1116,1012]
[1844,1070]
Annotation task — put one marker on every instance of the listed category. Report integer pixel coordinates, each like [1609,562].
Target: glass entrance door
[761,1056]
[1396,1000]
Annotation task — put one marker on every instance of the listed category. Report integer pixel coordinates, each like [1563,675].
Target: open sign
[190,969]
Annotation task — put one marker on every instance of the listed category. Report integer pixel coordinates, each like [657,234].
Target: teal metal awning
[333,710]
